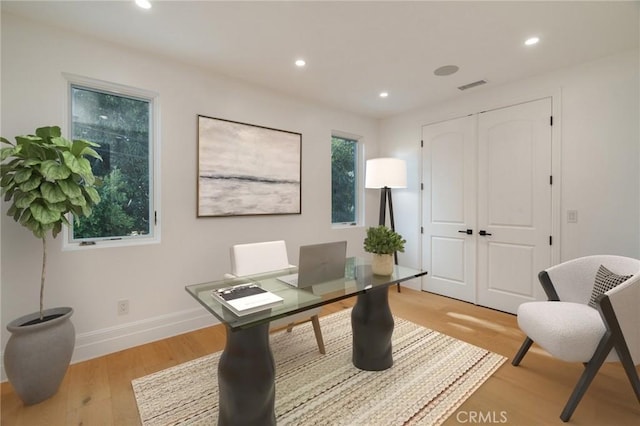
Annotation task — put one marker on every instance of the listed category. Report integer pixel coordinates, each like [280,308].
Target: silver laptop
[319,263]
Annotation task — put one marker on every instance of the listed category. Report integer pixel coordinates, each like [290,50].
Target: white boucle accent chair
[263,257]
[571,330]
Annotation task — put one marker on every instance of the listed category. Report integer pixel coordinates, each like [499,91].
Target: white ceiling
[355,50]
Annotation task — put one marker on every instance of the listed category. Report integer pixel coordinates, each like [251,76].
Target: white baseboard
[113,339]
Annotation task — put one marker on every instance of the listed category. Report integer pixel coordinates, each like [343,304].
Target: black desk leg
[372,326]
[246,379]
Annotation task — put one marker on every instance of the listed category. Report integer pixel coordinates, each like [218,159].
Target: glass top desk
[246,370]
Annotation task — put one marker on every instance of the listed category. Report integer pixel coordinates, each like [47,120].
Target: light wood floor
[98,392]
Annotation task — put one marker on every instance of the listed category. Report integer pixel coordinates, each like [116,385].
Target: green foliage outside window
[344,161]
[121,126]
[112,219]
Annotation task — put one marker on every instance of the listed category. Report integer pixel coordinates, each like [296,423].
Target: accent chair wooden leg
[589,373]
[632,374]
[522,351]
[619,342]
[318,332]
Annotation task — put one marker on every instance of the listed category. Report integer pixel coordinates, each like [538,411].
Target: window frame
[359,189]
[154,162]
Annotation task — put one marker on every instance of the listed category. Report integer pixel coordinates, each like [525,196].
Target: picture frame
[247,170]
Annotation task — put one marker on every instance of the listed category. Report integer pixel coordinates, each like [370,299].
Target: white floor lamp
[386,173]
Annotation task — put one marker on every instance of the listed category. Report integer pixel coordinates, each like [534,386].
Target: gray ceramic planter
[37,356]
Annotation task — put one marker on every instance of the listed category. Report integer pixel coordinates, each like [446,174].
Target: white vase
[382,264]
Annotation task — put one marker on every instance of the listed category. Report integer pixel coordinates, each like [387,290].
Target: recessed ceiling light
[384,94]
[531,41]
[301,63]
[446,70]
[144,4]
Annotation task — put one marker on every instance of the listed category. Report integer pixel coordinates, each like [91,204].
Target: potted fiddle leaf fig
[383,243]
[45,177]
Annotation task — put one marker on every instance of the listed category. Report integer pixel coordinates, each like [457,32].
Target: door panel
[447,178]
[514,203]
[448,259]
[449,206]
[510,174]
[511,268]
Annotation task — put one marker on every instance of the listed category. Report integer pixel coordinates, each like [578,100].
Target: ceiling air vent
[474,84]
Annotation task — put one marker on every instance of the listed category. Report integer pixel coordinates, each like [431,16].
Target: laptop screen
[321,262]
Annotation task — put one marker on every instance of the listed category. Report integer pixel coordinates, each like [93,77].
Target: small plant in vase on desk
[383,243]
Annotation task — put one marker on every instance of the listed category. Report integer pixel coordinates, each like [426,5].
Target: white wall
[192,250]
[599,115]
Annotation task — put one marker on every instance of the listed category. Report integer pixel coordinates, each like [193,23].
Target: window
[121,121]
[344,180]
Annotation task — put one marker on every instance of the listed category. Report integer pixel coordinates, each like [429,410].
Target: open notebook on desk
[318,263]
[245,299]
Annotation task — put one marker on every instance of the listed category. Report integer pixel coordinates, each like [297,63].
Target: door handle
[468,232]
[484,233]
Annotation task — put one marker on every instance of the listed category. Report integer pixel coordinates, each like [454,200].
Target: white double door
[487,205]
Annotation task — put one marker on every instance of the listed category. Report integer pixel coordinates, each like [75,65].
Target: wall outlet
[123,307]
[572,216]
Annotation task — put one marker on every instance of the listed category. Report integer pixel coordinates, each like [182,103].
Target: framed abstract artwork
[245,169]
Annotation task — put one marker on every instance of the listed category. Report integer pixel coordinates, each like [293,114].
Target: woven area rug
[432,375]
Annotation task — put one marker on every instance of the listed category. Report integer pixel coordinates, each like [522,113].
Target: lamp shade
[386,172]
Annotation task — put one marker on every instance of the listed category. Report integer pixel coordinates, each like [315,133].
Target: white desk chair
[583,322]
[257,258]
